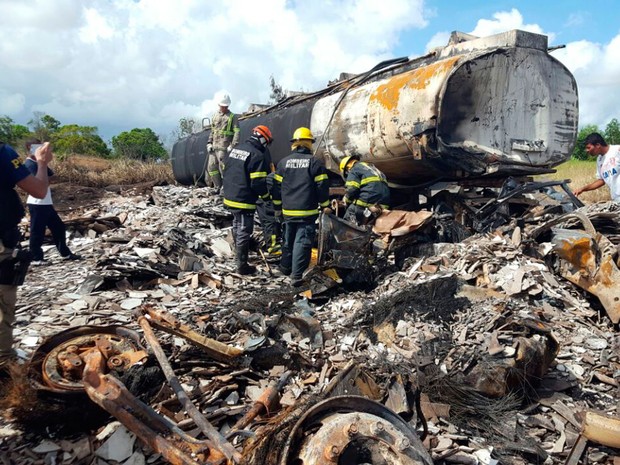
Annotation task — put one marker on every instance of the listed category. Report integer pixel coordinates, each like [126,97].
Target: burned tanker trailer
[473,112]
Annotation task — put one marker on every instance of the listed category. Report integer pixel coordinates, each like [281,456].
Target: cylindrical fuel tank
[188,157]
[494,106]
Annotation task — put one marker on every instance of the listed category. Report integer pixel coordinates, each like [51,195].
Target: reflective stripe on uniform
[258,174]
[352,183]
[361,203]
[320,177]
[277,177]
[324,204]
[244,206]
[277,202]
[264,196]
[371,179]
[214,173]
[229,129]
[300,212]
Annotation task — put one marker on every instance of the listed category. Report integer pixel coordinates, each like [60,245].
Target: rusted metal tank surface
[493,106]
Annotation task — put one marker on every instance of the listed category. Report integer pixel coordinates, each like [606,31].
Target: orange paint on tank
[388,94]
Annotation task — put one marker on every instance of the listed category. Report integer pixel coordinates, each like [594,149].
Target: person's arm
[258,175]
[276,189]
[321,180]
[235,139]
[37,185]
[589,187]
[210,139]
[353,184]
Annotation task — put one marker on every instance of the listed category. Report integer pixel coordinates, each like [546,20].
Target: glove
[229,148]
[328,211]
[209,148]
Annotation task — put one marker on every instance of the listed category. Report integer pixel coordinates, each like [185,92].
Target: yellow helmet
[345,161]
[302,134]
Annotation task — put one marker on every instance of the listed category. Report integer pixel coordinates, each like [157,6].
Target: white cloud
[96,27]
[502,21]
[148,63]
[505,21]
[597,71]
[125,63]
[11,103]
[438,40]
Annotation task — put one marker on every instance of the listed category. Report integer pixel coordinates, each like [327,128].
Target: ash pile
[403,347]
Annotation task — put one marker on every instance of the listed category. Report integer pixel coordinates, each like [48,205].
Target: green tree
[20,134]
[83,140]
[579,152]
[6,129]
[43,126]
[612,132]
[139,144]
[11,133]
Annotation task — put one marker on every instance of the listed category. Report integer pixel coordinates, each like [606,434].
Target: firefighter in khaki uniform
[245,181]
[14,262]
[301,186]
[223,137]
[365,186]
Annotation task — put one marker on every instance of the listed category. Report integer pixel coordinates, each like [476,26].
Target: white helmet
[224,101]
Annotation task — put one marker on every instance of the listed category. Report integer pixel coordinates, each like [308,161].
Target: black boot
[242,260]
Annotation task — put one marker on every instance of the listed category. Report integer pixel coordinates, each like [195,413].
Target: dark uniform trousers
[272,229]
[243,226]
[42,216]
[355,214]
[299,236]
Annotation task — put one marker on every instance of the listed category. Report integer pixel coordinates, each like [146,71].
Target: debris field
[500,348]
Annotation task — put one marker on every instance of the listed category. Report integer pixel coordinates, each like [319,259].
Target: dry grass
[98,172]
[580,172]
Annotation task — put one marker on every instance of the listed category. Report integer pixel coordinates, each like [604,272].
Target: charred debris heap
[499,347]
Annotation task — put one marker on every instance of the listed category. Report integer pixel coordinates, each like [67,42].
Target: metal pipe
[267,401]
[111,395]
[207,428]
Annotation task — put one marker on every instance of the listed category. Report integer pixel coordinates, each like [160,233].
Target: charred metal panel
[383,121]
[188,159]
[507,108]
[282,123]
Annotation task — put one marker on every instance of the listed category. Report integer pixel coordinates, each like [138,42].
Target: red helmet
[264,132]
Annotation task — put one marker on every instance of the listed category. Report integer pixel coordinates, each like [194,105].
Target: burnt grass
[434,300]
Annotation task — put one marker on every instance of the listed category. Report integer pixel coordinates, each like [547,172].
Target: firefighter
[300,188]
[245,179]
[365,186]
[223,137]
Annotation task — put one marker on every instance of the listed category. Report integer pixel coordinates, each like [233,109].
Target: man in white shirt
[43,215]
[607,166]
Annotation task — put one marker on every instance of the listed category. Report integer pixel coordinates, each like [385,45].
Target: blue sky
[568,20]
[127,64]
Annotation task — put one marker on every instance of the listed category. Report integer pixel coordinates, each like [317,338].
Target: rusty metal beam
[267,402]
[213,434]
[162,436]
[169,324]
